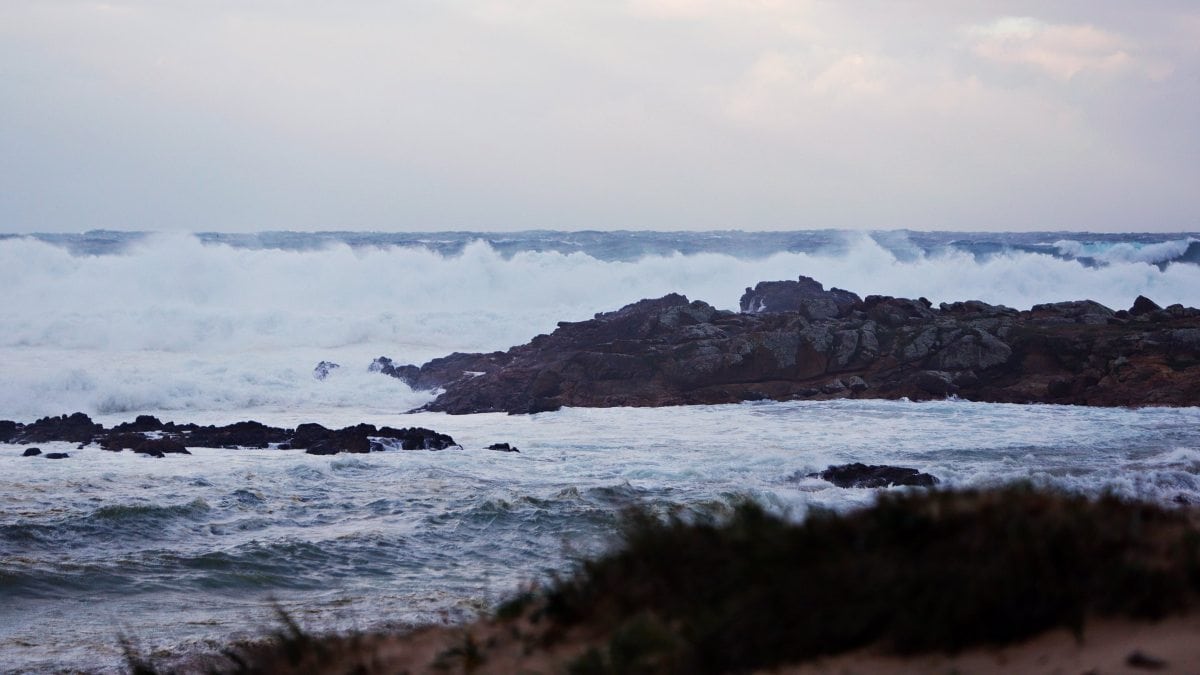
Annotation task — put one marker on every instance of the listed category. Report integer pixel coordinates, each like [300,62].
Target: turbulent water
[184,553]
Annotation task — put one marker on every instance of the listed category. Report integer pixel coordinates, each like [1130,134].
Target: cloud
[1062,51]
[637,113]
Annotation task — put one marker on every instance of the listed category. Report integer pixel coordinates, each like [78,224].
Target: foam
[173,323]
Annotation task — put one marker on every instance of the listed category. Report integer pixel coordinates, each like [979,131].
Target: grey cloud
[501,114]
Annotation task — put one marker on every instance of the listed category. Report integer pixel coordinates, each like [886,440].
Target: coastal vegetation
[919,571]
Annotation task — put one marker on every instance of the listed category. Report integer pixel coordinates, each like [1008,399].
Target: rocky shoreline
[148,435]
[795,340]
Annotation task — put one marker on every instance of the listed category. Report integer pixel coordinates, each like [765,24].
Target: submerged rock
[502,447]
[323,369]
[859,475]
[56,455]
[31,452]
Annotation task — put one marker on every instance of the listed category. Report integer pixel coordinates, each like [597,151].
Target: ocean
[185,553]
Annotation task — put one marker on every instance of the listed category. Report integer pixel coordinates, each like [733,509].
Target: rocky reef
[150,436]
[796,340]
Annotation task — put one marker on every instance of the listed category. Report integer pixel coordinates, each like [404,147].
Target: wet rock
[405,373]
[502,447]
[972,352]
[324,368]
[858,475]
[8,430]
[141,423]
[73,428]
[806,296]
[56,455]
[1143,305]
[249,434]
[31,452]
[834,387]
[363,438]
[160,446]
[936,382]
[1074,311]
[674,351]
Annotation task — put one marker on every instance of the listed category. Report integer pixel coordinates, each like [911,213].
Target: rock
[161,446]
[31,452]
[407,374]
[674,351]
[1139,659]
[806,296]
[1075,311]
[936,382]
[858,475]
[8,430]
[324,368]
[139,443]
[1143,305]
[972,352]
[74,428]
[248,434]
[834,387]
[501,447]
[141,423]
[56,455]
[363,438]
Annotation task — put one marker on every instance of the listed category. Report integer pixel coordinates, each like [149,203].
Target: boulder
[323,369]
[1143,305]
[141,423]
[31,452]
[160,446]
[73,428]
[858,475]
[502,447]
[805,295]
[56,455]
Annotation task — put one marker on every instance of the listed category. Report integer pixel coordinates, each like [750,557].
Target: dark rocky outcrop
[502,447]
[806,296]
[147,435]
[858,475]
[31,452]
[440,372]
[672,351]
[75,428]
[315,439]
[324,368]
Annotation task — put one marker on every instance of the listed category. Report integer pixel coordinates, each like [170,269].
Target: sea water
[185,553]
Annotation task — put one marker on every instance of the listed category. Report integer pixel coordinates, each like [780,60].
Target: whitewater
[185,553]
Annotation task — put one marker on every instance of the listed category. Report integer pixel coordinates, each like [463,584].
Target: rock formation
[799,341]
[149,436]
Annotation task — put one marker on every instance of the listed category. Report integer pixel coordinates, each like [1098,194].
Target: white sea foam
[1126,252]
[173,323]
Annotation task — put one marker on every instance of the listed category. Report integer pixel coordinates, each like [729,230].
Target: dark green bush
[918,571]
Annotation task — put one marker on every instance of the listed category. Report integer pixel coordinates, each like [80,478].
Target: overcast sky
[574,114]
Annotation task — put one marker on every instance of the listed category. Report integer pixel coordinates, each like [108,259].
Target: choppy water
[185,553]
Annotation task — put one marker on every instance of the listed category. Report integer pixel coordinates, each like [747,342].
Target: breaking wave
[171,322]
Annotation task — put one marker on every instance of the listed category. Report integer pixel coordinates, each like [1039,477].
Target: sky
[500,115]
